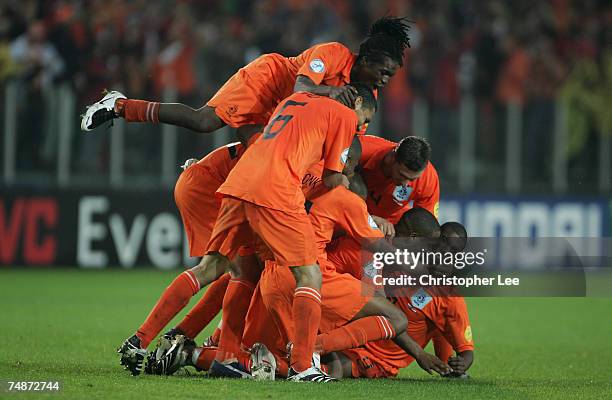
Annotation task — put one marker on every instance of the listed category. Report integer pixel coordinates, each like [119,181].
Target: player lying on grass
[432,312]
[349,317]
[247,100]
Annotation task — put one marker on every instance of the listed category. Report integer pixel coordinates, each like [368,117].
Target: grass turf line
[66,325]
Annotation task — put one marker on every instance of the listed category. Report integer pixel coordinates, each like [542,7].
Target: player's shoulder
[376,141]
[430,174]
[332,47]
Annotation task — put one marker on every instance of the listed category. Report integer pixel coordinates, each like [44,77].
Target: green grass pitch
[66,324]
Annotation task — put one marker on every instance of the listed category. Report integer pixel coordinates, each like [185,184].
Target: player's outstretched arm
[428,362]
[344,94]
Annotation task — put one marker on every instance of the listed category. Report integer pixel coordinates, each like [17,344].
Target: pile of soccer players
[285,220]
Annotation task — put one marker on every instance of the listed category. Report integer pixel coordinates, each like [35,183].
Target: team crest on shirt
[372,223]
[369,270]
[317,66]
[344,156]
[401,193]
[420,299]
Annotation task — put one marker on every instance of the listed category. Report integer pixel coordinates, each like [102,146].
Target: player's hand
[188,163]
[429,362]
[458,365]
[344,94]
[336,179]
[385,226]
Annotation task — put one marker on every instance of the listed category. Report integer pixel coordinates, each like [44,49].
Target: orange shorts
[365,365]
[288,237]
[250,96]
[194,194]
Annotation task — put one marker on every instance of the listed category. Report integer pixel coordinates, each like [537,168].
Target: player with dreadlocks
[246,101]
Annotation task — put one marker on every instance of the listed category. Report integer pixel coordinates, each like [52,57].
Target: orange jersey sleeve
[327,63]
[341,209]
[447,311]
[304,130]
[390,201]
[454,324]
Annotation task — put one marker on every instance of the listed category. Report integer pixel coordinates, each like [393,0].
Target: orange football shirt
[304,130]
[386,199]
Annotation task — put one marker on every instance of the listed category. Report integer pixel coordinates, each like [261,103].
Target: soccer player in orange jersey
[349,318]
[195,198]
[399,176]
[262,195]
[433,313]
[246,101]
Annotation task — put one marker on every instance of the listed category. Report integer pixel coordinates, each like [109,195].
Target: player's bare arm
[332,179]
[385,226]
[428,362]
[344,94]
[461,362]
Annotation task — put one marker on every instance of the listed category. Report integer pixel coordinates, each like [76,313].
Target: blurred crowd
[531,54]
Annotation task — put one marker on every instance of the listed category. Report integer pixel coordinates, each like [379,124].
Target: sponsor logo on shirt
[401,193]
[317,66]
[420,299]
[344,156]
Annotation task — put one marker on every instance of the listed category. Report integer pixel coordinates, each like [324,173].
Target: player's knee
[309,275]
[207,120]
[210,268]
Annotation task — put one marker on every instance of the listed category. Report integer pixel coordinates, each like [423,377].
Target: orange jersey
[252,93]
[194,194]
[341,210]
[327,64]
[305,129]
[347,255]
[219,162]
[390,201]
[431,311]
[312,181]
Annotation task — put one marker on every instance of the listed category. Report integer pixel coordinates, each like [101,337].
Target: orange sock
[206,309]
[138,110]
[306,314]
[173,299]
[235,307]
[205,358]
[355,334]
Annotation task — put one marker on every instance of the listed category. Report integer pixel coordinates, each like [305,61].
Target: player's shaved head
[358,186]
[418,222]
[455,235]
